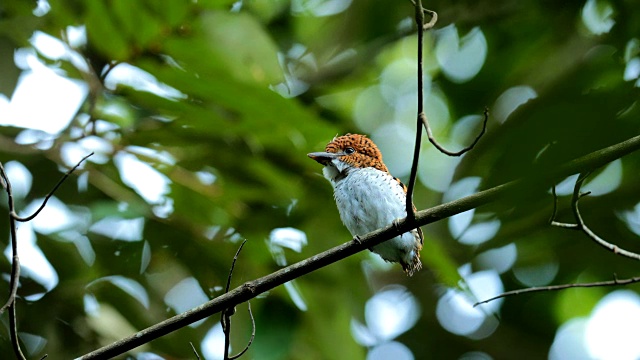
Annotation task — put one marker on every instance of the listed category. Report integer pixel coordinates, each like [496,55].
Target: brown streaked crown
[366,152]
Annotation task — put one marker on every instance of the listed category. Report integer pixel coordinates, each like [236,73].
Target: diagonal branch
[251,289]
[614,282]
[195,352]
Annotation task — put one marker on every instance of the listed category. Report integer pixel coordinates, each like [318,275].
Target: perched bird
[369,197]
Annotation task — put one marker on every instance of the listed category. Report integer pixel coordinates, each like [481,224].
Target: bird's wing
[404,187]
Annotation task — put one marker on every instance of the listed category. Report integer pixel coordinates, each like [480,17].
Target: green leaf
[136,22]
[103,33]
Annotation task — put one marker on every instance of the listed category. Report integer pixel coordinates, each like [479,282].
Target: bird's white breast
[369,199]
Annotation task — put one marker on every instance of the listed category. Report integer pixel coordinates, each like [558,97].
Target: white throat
[336,171]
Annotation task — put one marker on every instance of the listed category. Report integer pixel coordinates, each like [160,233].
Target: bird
[368,197]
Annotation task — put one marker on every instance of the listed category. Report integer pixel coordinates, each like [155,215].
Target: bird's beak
[323,157]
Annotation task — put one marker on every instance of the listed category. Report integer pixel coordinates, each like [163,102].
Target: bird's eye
[349,150]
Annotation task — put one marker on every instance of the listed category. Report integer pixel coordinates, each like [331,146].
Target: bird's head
[350,151]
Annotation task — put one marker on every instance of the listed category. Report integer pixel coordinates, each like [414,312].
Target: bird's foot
[396,224]
[357,239]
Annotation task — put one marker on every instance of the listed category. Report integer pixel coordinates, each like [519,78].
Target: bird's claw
[357,239]
[396,224]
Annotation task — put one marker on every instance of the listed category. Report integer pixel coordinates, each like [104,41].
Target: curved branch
[432,140]
[253,334]
[225,318]
[44,202]
[614,282]
[552,220]
[582,226]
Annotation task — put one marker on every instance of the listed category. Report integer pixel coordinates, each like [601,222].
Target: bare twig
[422,120]
[580,225]
[432,140]
[552,220]
[225,318]
[44,203]
[614,282]
[419,16]
[253,334]
[15,270]
[253,288]
[195,352]
[431,23]
[15,264]
[433,14]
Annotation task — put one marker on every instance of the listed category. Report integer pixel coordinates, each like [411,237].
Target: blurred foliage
[238,113]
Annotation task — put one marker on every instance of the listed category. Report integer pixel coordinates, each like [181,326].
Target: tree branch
[15,263]
[419,15]
[225,318]
[614,282]
[422,117]
[432,139]
[44,203]
[15,269]
[251,289]
[253,334]
[580,225]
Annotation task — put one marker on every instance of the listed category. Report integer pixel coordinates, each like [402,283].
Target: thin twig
[15,264]
[225,317]
[432,139]
[614,282]
[422,120]
[552,219]
[432,22]
[419,16]
[253,334]
[582,226]
[422,117]
[233,264]
[15,270]
[434,16]
[253,288]
[195,352]
[66,175]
